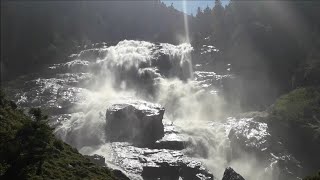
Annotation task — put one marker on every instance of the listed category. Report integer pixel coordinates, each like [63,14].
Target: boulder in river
[230,174]
[139,122]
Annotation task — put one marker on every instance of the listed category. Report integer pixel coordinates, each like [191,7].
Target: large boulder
[230,174]
[139,122]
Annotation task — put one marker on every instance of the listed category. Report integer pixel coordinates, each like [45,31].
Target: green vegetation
[29,150]
[315,177]
[272,46]
[269,49]
[301,108]
[295,119]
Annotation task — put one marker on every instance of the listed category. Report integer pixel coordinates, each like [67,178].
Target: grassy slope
[315,177]
[299,108]
[29,150]
[295,117]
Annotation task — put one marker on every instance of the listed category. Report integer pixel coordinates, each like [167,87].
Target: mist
[200,114]
[238,83]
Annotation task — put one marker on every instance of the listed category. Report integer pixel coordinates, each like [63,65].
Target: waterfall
[82,89]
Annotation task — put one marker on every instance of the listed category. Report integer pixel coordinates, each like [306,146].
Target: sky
[192,5]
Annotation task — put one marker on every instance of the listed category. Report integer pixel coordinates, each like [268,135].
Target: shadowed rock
[100,161]
[230,174]
[188,170]
[173,138]
[96,159]
[172,141]
[249,136]
[138,122]
[119,174]
[158,163]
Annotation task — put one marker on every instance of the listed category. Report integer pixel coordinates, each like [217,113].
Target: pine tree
[218,25]
[199,13]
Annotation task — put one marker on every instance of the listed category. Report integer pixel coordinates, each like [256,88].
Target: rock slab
[230,174]
[138,122]
[96,159]
[154,164]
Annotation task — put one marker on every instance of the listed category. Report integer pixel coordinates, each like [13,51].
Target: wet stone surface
[253,137]
[139,122]
[230,174]
[173,138]
[157,163]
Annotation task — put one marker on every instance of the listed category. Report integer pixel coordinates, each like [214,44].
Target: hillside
[29,150]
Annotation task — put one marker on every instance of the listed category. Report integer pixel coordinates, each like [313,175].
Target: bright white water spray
[186,28]
[161,73]
[185,18]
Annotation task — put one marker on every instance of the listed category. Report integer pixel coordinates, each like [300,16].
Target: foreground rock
[96,159]
[230,174]
[249,136]
[172,141]
[139,122]
[173,138]
[119,174]
[100,161]
[157,163]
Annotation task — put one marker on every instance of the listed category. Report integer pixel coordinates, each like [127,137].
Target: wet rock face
[248,135]
[183,169]
[188,170]
[96,159]
[172,141]
[158,163]
[55,95]
[100,161]
[173,138]
[119,174]
[138,122]
[65,88]
[230,174]
[192,170]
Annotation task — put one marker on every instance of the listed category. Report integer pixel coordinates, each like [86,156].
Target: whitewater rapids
[78,92]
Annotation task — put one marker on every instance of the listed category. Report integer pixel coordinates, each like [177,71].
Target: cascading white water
[186,29]
[161,73]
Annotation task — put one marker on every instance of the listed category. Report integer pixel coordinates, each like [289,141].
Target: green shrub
[29,150]
[315,177]
[299,105]
[300,108]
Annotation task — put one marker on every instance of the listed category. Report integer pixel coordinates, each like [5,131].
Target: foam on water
[161,73]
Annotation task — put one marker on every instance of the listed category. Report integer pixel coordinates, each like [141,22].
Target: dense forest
[273,48]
